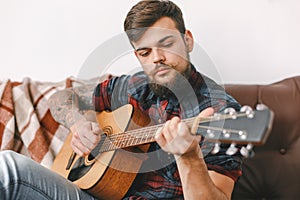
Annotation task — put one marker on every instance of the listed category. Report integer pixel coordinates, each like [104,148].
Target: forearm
[66,105]
[62,106]
[195,178]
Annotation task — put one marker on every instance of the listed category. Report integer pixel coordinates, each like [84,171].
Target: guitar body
[111,173]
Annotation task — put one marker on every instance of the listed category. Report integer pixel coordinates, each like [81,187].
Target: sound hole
[79,169]
[84,164]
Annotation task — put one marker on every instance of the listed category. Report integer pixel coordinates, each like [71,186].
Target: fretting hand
[175,137]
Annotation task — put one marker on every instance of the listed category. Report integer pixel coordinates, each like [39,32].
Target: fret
[107,145]
[122,141]
[111,145]
[133,141]
[126,140]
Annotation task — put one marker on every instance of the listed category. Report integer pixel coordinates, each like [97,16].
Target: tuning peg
[216,148]
[242,135]
[247,151]
[261,107]
[231,112]
[232,149]
[226,133]
[217,116]
[210,134]
[248,110]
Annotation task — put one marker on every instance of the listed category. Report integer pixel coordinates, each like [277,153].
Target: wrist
[72,118]
[194,154]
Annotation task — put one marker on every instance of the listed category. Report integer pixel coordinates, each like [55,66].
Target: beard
[161,90]
[171,87]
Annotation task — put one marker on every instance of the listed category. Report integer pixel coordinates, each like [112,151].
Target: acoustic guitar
[110,169]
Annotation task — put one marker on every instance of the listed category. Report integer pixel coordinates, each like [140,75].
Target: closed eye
[144,53]
[169,44]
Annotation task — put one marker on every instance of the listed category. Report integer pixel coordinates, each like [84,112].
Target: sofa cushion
[274,171]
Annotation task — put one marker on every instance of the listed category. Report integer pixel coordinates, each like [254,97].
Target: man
[157,33]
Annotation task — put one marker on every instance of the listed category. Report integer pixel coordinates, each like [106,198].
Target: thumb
[207,112]
[203,114]
[96,129]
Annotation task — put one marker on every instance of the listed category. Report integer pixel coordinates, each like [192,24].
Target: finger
[88,137]
[96,129]
[185,140]
[166,131]
[161,141]
[79,148]
[182,129]
[207,112]
[89,140]
[173,127]
[77,151]
[92,133]
[82,139]
[94,139]
[82,142]
[185,137]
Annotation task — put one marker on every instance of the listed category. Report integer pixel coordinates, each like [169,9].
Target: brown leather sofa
[274,171]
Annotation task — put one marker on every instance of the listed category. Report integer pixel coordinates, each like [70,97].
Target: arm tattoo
[85,96]
[65,105]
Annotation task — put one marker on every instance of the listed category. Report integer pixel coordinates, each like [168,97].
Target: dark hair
[146,12]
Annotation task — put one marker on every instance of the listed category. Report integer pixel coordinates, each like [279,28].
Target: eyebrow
[159,41]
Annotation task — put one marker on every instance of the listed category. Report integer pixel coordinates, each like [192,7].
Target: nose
[158,55]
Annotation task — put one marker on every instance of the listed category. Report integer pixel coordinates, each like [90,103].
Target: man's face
[163,52]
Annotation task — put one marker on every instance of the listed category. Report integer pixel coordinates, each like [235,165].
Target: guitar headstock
[246,127]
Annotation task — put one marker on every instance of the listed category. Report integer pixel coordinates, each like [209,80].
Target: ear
[189,40]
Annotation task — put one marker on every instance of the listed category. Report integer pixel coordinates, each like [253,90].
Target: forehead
[159,30]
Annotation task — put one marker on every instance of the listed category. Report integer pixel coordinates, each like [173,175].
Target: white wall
[249,41]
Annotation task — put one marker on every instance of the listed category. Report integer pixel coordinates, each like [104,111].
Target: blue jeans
[23,178]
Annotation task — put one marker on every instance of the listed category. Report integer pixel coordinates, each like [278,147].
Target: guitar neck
[129,138]
[137,137]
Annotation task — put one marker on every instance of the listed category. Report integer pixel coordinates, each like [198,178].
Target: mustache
[160,65]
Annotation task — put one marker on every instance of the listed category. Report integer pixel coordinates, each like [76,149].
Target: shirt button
[282,151]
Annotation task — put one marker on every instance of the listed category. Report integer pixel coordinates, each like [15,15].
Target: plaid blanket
[26,124]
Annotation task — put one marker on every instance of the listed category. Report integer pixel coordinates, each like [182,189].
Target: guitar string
[189,121]
[120,140]
[123,141]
